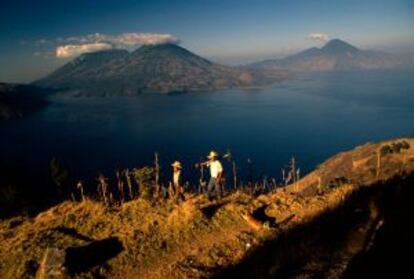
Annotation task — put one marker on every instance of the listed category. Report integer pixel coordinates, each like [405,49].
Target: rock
[52,265]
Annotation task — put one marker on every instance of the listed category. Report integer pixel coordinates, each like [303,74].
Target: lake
[310,118]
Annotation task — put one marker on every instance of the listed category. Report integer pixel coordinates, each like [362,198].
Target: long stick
[129,183]
[234,176]
[201,186]
[157,174]
[250,167]
[120,186]
[293,169]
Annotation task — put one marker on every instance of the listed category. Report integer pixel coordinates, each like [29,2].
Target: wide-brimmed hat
[213,154]
[176,164]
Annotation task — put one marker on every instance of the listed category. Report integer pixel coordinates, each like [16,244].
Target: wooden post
[234,175]
[201,182]
[104,190]
[293,169]
[120,184]
[157,174]
[80,188]
[129,183]
[250,168]
[298,174]
[103,187]
[319,184]
[274,183]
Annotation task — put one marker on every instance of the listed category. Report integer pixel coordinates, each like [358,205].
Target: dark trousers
[213,188]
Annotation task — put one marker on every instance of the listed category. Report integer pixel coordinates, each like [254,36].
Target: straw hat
[176,164]
[213,154]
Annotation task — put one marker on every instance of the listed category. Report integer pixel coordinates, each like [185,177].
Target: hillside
[18,100]
[163,68]
[327,225]
[336,55]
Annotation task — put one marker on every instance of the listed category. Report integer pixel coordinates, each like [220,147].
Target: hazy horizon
[39,37]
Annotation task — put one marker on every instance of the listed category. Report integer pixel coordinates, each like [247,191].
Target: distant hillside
[336,55]
[17,100]
[160,68]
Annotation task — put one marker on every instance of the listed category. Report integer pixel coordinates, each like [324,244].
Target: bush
[145,179]
[394,147]
[337,182]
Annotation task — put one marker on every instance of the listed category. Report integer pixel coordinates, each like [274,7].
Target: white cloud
[93,42]
[125,39]
[131,39]
[319,37]
[68,51]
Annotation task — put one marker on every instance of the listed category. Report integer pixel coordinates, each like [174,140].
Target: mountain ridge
[334,55]
[162,68]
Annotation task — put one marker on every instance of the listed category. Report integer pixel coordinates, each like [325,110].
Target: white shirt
[215,168]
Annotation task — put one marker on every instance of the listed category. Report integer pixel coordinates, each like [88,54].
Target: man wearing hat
[216,174]
[178,190]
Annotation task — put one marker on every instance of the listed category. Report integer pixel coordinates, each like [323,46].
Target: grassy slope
[196,238]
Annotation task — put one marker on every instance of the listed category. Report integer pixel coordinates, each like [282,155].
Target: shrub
[394,147]
[145,179]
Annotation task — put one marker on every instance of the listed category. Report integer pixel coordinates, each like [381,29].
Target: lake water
[311,118]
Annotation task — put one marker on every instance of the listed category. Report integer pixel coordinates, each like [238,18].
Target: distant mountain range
[336,55]
[164,68]
[17,100]
[169,68]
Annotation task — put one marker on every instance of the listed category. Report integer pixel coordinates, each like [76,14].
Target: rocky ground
[324,226]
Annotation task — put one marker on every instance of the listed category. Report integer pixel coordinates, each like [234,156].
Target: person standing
[216,175]
[177,185]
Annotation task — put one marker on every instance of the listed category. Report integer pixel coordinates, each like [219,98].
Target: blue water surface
[311,118]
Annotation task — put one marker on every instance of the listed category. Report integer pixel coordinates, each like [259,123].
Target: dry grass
[195,238]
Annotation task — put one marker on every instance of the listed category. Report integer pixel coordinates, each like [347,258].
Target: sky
[38,36]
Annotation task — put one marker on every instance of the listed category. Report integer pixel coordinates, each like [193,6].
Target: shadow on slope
[83,258]
[367,236]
